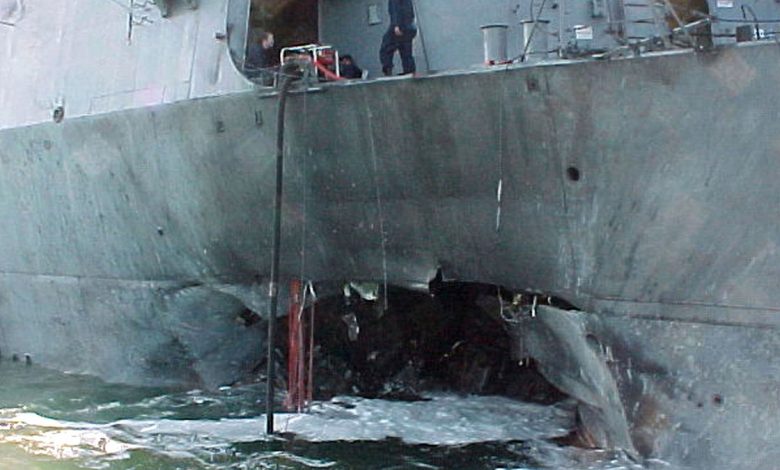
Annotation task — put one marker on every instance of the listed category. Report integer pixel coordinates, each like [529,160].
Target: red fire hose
[326,71]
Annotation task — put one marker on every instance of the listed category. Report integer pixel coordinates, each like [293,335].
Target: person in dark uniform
[399,37]
[258,54]
[259,57]
[349,68]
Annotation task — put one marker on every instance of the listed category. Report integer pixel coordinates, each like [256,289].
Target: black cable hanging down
[273,288]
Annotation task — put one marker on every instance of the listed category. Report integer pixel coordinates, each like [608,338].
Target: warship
[613,164]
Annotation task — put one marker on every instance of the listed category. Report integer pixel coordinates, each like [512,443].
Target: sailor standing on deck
[399,36]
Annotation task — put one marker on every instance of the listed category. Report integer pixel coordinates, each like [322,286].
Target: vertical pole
[310,379]
[273,288]
[294,324]
[421,33]
[561,26]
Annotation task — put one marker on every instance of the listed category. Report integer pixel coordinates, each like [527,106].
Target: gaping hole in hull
[454,339]
[463,338]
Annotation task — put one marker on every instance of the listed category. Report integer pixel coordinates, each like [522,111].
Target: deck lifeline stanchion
[273,288]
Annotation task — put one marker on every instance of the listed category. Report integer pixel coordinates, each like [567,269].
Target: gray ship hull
[641,191]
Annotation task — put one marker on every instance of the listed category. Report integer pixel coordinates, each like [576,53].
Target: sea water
[53,420]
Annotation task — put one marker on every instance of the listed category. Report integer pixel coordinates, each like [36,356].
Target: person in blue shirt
[399,37]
